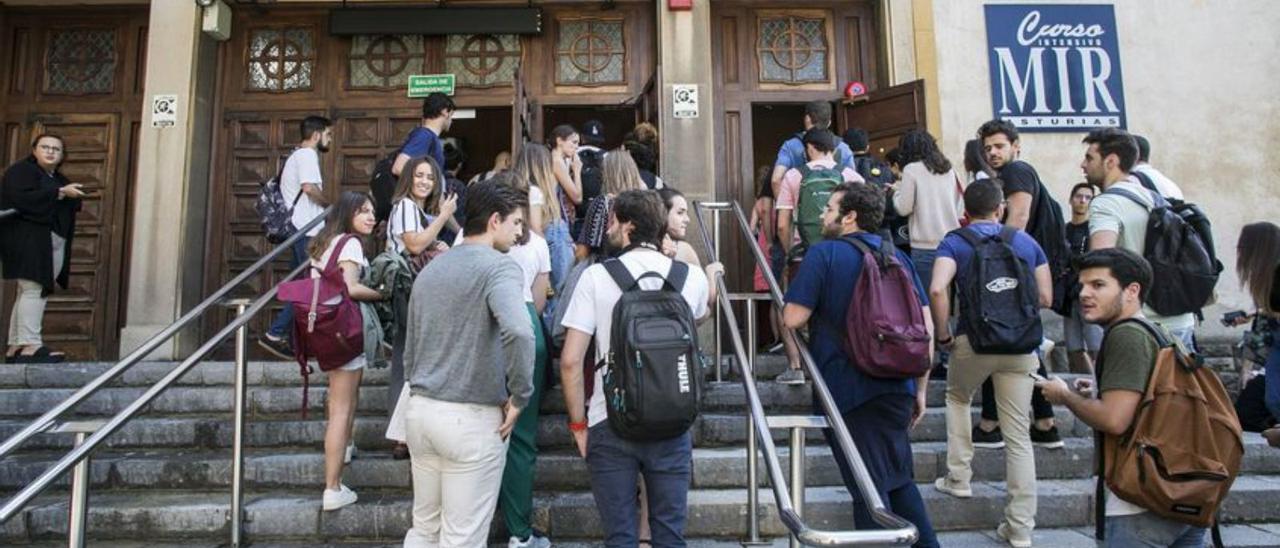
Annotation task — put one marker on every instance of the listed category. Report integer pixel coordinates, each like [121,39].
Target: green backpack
[816,186]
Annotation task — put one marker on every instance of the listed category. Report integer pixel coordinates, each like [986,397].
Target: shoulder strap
[337,250]
[970,236]
[1161,340]
[621,276]
[1145,180]
[1007,234]
[677,276]
[1129,195]
[804,170]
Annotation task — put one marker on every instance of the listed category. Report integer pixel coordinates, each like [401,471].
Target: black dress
[26,242]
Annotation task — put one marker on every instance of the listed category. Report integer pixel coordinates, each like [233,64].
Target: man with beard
[302,186]
[879,412]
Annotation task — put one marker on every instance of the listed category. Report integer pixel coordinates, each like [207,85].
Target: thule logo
[682,372]
[1000,285]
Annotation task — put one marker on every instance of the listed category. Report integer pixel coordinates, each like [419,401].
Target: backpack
[333,334]
[592,177]
[816,186]
[1050,231]
[652,379]
[885,333]
[1181,454]
[873,170]
[1177,251]
[999,304]
[1191,213]
[276,217]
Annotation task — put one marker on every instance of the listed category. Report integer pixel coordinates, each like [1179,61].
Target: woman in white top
[930,195]
[546,216]
[567,166]
[352,215]
[419,212]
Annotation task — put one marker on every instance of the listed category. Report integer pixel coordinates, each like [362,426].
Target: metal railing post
[78,521]
[237,448]
[797,477]
[715,232]
[753,473]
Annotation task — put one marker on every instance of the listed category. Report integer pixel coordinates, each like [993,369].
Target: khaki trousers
[27,316]
[1013,388]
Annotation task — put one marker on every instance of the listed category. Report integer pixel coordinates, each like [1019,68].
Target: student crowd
[479,286]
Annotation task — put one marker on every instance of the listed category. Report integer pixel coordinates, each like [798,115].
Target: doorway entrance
[481,138]
[617,120]
[772,123]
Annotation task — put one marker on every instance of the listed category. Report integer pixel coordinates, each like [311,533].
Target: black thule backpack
[1050,231]
[1177,250]
[652,374]
[999,303]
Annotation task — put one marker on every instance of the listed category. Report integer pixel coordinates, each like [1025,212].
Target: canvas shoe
[790,376]
[952,487]
[1006,533]
[988,440]
[535,540]
[338,498]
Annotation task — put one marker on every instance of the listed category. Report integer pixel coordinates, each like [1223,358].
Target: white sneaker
[338,498]
[1005,532]
[534,541]
[951,487]
[350,454]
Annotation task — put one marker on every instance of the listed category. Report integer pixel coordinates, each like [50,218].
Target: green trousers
[516,495]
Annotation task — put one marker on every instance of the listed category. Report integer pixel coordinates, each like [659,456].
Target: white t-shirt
[352,252]
[1165,185]
[536,198]
[534,258]
[303,166]
[1119,214]
[406,216]
[591,308]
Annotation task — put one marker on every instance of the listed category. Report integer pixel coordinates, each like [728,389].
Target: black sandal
[41,355]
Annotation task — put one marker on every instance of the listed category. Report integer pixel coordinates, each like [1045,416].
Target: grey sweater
[469,338]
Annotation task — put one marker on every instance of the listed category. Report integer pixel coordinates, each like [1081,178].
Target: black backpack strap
[620,274]
[970,237]
[677,275]
[1216,534]
[1007,234]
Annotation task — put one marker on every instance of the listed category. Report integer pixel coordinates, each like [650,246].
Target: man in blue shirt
[878,412]
[984,202]
[791,155]
[437,116]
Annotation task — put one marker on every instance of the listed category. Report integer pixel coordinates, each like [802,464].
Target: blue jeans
[1149,530]
[923,259]
[561,248]
[284,320]
[614,464]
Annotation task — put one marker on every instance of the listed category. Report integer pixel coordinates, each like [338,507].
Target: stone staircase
[165,478]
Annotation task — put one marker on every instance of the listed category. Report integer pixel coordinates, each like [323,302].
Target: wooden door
[79,74]
[886,114]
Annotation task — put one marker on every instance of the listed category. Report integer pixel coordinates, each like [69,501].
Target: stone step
[720,468]
[1251,535]
[383,517]
[215,430]
[270,399]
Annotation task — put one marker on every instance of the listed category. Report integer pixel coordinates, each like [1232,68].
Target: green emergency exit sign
[422,85]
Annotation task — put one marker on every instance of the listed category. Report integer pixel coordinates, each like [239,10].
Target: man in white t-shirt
[1117,221]
[636,225]
[1163,184]
[302,186]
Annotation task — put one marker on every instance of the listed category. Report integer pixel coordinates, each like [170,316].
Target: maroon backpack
[885,333]
[333,334]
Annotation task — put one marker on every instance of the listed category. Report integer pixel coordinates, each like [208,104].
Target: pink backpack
[333,334]
[885,333]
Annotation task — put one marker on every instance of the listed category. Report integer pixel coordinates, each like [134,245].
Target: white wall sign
[164,110]
[684,100]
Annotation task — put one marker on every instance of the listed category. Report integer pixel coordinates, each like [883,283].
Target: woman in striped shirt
[419,213]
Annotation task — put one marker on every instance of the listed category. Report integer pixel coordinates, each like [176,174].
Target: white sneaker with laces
[338,498]
[534,541]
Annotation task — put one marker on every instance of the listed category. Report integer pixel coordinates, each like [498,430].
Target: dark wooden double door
[80,76]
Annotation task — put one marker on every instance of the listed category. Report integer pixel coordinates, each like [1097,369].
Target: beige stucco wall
[1200,81]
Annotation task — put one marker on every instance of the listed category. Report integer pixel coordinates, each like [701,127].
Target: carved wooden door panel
[83,318]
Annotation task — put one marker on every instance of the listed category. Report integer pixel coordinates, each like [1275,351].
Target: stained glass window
[482,60]
[81,61]
[281,59]
[384,61]
[792,50]
[590,52]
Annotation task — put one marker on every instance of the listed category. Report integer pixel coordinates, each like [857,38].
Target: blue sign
[1055,67]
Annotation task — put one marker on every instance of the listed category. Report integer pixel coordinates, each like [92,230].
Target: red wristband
[577,426]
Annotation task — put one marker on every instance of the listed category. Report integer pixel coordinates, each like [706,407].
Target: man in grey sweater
[468,356]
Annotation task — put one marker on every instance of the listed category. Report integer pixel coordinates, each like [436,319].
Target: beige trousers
[457,462]
[28,309]
[1013,398]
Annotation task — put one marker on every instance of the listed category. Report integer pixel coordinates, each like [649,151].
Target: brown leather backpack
[1181,454]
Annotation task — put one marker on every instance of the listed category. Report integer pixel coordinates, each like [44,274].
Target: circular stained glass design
[281,59]
[792,50]
[590,52]
[80,62]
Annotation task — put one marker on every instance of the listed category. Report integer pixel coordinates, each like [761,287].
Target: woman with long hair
[547,216]
[567,167]
[1257,260]
[620,175]
[419,213]
[351,215]
[975,162]
[930,195]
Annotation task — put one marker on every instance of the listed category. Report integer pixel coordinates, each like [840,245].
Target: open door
[521,121]
[886,114]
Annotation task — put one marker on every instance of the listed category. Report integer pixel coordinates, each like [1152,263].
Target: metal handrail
[6,213]
[898,531]
[45,421]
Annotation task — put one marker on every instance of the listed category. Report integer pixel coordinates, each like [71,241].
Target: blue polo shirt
[791,154]
[422,142]
[957,249]
[825,285]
